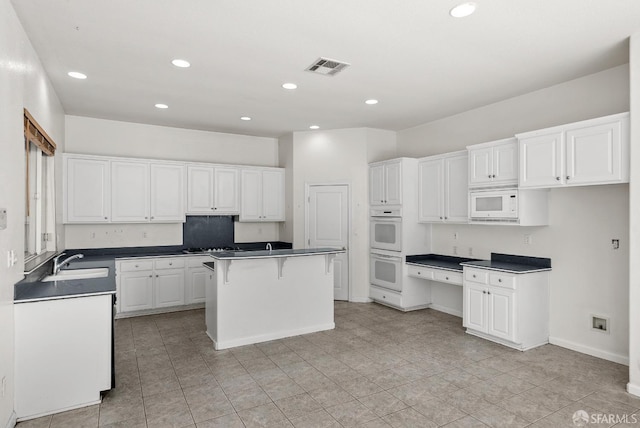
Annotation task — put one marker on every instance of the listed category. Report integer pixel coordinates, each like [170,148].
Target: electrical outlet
[470,252]
[527,239]
[455,236]
[615,244]
[600,323]
[144,235]
[455,250]
[4,385]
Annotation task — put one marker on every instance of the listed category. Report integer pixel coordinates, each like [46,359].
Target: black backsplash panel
[208,231]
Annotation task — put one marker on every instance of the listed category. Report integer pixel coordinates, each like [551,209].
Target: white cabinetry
[167,192]
[508,308]
[584,153]
[494,163]
[443,188]
[129,192]
[385,183]
[262,194]
[118,190]
[63,354]
[195,279]
[145,284]
[212,190]
[87,194]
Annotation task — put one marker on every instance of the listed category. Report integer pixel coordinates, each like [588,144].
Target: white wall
[23,83]
[588,277]
[337,156]
[634,225]
[114,138]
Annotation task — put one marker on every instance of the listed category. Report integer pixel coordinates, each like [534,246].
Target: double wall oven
[385,267]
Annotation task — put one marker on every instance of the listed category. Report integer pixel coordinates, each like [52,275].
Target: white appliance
[509,206]
[386,270]
[489,204]
[386,230]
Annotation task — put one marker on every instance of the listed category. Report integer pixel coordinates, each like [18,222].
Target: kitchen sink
[64,275]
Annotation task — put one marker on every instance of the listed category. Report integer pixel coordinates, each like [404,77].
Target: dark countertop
[438,261]
[210,265]
[31,289]
[266,254]
[512,263]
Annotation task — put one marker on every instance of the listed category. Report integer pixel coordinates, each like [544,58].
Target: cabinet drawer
[448,277]
[385,296]
[193,262]
[136,265]
[420,272]
[168,263]
[502,280]
[476,275]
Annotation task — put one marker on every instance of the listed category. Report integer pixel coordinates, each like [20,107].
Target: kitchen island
[257,296]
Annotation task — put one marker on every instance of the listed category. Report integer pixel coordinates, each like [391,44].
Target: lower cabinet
[62,354]
[146,284]
[508,308]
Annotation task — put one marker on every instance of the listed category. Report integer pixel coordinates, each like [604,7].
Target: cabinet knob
[152,217]
[106,218]
[489,176]
[557,178]
[157,276]
[484,292]
[212,208]
[446,218]
[474,275]
[568,177]
[440,217]
[499,279]
[145,218]
[488,292]
[447,278]
[150,276]
[171,264]
[493,176]
[419,273]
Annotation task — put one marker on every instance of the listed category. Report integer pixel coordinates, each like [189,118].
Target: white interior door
[328,208]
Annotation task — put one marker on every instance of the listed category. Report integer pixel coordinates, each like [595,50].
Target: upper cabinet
[385,183]
[167,192]
[494,163]
[87,194]
[102,190]
[129,191]
[262,194]
[590,152]
[212,190]
[443,188]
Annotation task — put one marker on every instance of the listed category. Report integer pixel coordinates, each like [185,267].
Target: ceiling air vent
[327,67]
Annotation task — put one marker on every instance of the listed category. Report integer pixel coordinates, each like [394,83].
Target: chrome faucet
[58,265]
[269,246]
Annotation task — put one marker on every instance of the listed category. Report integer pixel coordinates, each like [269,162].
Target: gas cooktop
[209,250]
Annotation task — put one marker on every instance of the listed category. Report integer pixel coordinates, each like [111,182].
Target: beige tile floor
[378,368]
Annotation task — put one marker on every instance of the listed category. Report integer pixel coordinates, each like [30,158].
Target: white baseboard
[360,300]
[270,336]
[11,423]
[605,355]
[446,310]
[633,389]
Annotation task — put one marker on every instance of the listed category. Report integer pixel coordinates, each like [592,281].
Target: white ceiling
[411,55]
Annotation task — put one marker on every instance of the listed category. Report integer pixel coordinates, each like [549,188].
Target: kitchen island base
[252,300]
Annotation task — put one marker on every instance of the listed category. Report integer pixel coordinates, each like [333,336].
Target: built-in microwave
[496,204]
[386,233]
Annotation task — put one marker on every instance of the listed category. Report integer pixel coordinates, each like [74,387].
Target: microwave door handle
[383,256]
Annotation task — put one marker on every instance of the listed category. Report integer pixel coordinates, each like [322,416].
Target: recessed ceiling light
[462,10]
[245,118]
[289,85]
[314,127]
[181,63]
[161,105]
[77,75]
[371,102]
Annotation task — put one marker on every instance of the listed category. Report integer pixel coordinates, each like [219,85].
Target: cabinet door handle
[557,178]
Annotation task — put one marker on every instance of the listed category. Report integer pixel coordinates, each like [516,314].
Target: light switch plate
[3,218]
